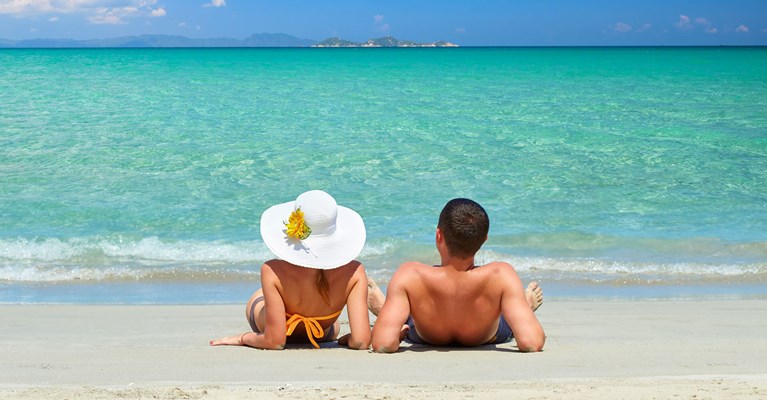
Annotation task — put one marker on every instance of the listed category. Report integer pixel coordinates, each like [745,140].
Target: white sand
[607,350]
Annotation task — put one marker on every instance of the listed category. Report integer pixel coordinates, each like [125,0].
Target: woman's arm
[357,308]
[236,340]
[274,336]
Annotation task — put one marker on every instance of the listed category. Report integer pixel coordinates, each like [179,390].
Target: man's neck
[458,264]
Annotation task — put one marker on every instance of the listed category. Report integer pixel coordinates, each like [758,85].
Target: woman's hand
[229,340]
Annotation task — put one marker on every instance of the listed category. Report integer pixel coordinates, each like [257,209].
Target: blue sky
[466,22]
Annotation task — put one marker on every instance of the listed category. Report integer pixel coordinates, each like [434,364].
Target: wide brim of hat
[319,252]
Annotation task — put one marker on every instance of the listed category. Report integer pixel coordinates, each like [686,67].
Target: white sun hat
[337,234]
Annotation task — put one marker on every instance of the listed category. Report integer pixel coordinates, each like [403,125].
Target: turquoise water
[139,175]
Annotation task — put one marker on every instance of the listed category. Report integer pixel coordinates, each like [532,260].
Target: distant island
[255,40]
[386,41]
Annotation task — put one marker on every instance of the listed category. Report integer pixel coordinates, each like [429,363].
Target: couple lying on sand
[454,303]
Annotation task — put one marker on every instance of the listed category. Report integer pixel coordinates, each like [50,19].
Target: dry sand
[595,350]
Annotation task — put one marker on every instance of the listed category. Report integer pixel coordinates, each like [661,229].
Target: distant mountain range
[255,40]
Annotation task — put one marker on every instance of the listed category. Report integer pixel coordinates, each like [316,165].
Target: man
[457,302]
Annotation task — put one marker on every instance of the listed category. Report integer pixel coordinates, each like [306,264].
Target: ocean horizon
[138,176]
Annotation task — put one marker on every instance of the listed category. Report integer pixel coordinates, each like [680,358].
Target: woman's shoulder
[356,270]
[352,272]
[280,270]
[353,266]
[276,263]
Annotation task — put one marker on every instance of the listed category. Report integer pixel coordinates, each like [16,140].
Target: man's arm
[388,327]
[528,332]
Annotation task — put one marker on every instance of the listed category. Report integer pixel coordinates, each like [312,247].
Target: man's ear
[439,237]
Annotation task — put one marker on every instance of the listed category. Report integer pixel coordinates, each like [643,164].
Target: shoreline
[594,349]
[125,293]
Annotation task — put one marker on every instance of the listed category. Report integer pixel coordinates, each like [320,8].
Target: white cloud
[644,28]
[380,26]
[181,24]
[118,15]
[622,27]
[215,3]
[460,30]
[706,25]
[19,6]
[28,7]
[684,23]
[742,29]
[53,19]
[106,19]
[95,11]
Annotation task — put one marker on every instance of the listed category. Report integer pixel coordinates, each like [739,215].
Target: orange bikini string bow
[311,324]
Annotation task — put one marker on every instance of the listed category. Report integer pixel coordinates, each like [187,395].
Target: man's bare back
[458,302]
[450,306]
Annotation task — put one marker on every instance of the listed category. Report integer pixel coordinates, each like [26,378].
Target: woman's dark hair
[323,287]
[464,225]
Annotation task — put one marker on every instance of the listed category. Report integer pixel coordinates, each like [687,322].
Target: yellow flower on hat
[296,226]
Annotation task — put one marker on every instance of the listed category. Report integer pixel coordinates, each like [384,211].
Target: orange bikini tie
[311,324]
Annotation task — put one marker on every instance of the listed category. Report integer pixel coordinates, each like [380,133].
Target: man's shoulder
[497,264]
[499,267]
[408,272]
[413,265]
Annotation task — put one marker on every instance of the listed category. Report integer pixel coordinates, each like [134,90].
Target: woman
[302,294]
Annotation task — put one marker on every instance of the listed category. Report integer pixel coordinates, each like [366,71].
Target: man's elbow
[380,346]
[530,345]
[385,349]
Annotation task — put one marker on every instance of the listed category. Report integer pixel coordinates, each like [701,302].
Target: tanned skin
[457,303]
[292,289]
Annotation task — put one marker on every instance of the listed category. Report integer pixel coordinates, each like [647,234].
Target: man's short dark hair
[464,225]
